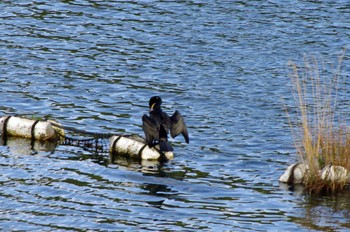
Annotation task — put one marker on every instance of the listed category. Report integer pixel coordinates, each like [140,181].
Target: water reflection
[144,166]
[22,146]
[297,190]
[321,213]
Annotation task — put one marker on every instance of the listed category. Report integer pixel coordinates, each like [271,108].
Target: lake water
[93,65]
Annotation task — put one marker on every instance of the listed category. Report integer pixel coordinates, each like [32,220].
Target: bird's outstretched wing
[150,128]
[178,126]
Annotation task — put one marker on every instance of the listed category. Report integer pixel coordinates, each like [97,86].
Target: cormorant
[158,124]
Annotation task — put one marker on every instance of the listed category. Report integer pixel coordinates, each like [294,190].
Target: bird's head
[154,103]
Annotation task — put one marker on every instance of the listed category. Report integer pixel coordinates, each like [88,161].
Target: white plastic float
[297,173]
[124,146]
[135,148]
[27,128]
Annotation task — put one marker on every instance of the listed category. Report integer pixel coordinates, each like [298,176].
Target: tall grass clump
[319,127]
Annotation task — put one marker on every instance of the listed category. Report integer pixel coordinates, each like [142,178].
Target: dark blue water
[93,65]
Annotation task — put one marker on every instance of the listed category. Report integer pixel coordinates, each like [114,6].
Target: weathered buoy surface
[58,128]
[136,149]
[27,128]
[295,174]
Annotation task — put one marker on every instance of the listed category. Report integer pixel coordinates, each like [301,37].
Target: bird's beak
[152,106]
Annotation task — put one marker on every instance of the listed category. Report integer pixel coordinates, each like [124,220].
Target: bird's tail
[165,146]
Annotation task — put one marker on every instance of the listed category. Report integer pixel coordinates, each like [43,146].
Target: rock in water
[295,174]
[335,173]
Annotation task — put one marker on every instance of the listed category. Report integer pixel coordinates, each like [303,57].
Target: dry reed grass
[321,136]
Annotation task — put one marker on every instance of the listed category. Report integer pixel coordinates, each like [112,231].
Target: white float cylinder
[27,128]
[128,147]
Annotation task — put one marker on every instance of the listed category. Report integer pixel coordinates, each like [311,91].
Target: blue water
[93,65]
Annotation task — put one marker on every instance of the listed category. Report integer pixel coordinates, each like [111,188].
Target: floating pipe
[130,147]
[27,128]
[133,148]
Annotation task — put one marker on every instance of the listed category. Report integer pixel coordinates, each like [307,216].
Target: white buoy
[295,174]
[27,128]
[335,173]
[133,148]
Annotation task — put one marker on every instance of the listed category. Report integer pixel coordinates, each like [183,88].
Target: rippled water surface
[93,65]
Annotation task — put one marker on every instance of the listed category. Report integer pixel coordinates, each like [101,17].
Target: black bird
[158,124]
